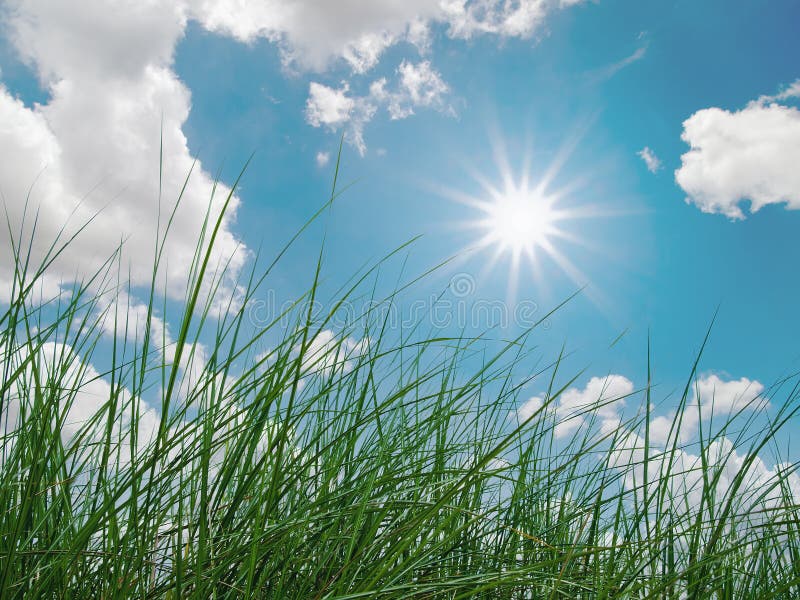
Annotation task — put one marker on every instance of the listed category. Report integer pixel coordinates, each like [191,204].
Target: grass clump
[362,463]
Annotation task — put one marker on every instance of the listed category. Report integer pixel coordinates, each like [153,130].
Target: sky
[664,138]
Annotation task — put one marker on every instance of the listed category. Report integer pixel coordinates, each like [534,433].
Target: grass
[385,469]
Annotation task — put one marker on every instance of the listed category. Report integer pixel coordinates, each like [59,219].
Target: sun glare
[525,222]
[520,220]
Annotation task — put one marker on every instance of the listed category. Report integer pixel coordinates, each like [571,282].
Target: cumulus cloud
[789,92]
[312,33]
[715,395]
[530,408]
[91,153]
[327,352]
[650,159]
[603,397]
[683,471]
[81,391]
[750,155]
[119,315]
[688,470]
[602,401]
[711,397]
[328,106]
[420,85]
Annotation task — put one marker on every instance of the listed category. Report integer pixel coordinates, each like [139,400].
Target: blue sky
[586,86]
[664,265]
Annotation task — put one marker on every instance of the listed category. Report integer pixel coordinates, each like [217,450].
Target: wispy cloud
[792,91]
[650,159]
[607,72]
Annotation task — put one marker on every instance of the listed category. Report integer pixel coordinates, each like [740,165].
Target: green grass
[389,469]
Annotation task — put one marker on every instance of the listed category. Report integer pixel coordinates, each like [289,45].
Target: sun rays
[524,223]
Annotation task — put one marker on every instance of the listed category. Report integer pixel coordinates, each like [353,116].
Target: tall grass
[203,466]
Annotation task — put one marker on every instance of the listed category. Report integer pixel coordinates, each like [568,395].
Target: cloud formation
[601,403]
[91,153]
[81,393]
[650,159]
[314,33]
[322,158]
[687,473]
[603,397]
[750,155]
[419,85]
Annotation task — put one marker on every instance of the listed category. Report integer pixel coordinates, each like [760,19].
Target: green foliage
[393,468]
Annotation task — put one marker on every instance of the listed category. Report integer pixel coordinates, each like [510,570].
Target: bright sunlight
[519,220]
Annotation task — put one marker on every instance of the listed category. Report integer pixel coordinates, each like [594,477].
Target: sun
[525,223]
[533,220]
[519,221]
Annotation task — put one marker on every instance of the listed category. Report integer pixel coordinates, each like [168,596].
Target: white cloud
[328,106]
[328,352]
[100,39]
[125,317]
[418,85]
[82,393]
[312,33]
[365,52]
[323,158]
[531,407]
[325,354]
[333,108]
[714,397]
[791,91]
[650,159]
[684,473]
[500,17]
[608,71]
[746,155]
[660,428]
[93,148]
[603,397]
